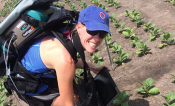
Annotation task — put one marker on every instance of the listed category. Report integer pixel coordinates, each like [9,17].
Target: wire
[82,3]
[8,69]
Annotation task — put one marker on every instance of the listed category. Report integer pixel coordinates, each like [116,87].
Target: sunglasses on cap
[102,34]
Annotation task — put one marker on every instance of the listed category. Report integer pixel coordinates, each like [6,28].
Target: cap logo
[102,15]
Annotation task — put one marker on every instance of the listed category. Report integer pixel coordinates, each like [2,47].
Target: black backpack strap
[79,48]
[89,84]
[56,18]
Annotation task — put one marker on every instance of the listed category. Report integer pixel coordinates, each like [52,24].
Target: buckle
[32,21]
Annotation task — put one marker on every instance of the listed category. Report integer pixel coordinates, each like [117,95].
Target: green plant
[78,72]
[139,20]
[128,32]
[121,29]
[78,55]
[171,1]
[134,40]
[99,63]
[102,6]
[122,57]
[116,4]
[120,100]
[116,48]
[147,87]
[96,2]
[127,12]
[96,58]
[60,4]
[167,40]
[8,7]
[111,17]
[134,14]
[110,2]
[83,4]
[154,32]
[169,99]
[67,1]
[72,6]
[108,38]
[116,22]
[148,26]
[3,92]
[173,76]
[143,47]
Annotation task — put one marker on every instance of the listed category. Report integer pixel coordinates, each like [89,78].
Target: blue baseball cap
[95,18]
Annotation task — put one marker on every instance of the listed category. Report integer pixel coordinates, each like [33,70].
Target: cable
[82,4]
[8,69]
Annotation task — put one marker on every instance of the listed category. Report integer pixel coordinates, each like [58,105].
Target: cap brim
[93,26]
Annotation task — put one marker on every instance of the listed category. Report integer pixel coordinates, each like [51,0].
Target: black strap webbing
[92,92]
[56,18]
[79,48]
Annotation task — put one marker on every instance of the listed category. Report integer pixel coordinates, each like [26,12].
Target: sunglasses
[102,34]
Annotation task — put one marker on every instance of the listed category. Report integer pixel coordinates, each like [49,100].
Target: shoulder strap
[89,81]
[79,48]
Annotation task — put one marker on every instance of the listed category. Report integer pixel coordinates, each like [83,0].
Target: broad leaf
[117,101]
[148,82]
[125,57]
[141,90]
[123,95]
[125,33]
[138,51]
[171,39]
[172,104]
[116,60]
[125,104]
[154,90]
[170,97]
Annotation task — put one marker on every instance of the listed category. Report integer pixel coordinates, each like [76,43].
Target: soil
[157,65]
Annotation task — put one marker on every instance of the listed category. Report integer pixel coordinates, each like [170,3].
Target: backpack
[16,37]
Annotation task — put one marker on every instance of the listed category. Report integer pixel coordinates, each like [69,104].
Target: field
[158,64]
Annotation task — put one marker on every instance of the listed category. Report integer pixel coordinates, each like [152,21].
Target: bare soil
[157,65]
